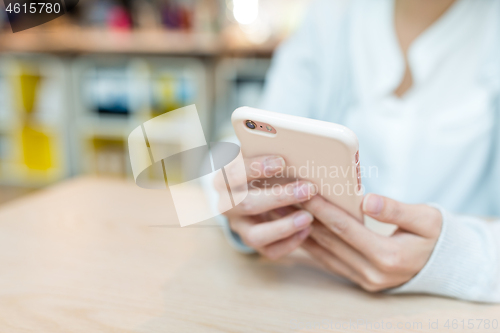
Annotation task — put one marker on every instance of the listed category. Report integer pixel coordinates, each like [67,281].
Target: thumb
[418,219]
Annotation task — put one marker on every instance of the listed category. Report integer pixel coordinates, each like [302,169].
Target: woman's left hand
[347,248]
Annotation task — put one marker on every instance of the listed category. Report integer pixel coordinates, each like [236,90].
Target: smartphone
[321,152]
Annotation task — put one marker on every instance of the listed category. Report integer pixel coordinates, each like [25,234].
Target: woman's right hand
[267,220]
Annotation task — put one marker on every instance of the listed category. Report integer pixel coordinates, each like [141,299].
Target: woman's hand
[266,219]
[346,247]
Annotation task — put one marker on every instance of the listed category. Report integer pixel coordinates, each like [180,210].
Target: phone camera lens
[250,124]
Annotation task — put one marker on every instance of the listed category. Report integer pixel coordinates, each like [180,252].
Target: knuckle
[366,286]
[253,238]
[390,261]
[246,206]
[339,226]
[247,242]
[371,287]
[394,212]
[373,281]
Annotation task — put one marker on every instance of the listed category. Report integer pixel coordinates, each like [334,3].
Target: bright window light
[245,11]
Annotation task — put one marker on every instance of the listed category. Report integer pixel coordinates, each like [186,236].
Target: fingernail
[304,233]
[373,204]
[304,191]
[301,219]
[274,162]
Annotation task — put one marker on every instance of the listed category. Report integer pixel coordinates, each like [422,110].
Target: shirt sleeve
[465,263]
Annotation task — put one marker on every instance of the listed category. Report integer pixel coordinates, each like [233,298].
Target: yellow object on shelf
[109,156]
[166,99]
[29,90]
[36,149]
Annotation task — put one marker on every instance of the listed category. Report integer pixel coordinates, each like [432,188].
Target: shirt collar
[378,60]
[452,31]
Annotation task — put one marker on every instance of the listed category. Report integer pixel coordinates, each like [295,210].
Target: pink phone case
[327,153]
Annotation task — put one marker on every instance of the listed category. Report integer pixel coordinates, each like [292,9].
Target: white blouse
[443,121]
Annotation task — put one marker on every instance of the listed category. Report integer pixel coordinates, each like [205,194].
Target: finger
[368,243]
[260,200]
[285,246]
[369,279]
[418,219]
[340,249]
[391,262]
[265,233]
[255,168]
[328,260]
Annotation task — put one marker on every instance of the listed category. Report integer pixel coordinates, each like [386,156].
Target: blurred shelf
[75,80]
[94,40]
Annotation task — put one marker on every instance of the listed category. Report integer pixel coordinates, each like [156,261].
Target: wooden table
[97,255]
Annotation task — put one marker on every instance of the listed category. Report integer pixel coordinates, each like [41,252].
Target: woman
[419,83]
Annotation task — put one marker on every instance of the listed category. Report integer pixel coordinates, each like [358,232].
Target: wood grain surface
[101,255]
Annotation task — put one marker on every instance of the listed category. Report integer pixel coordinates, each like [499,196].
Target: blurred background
[71,90]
